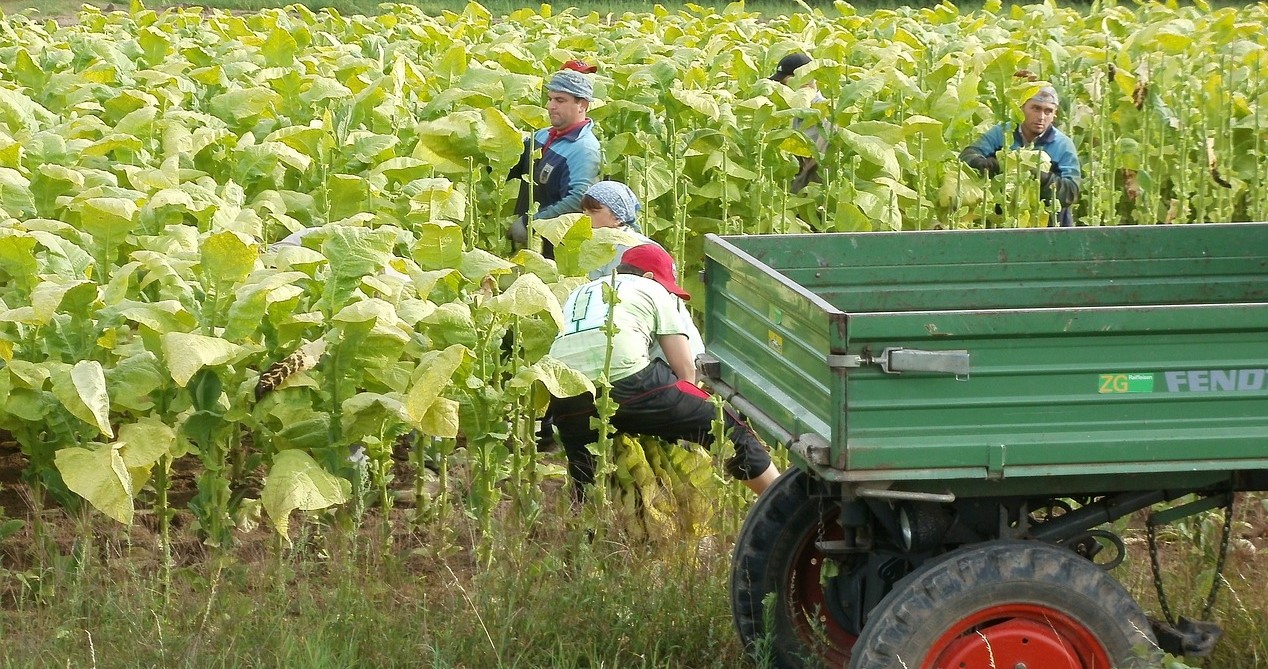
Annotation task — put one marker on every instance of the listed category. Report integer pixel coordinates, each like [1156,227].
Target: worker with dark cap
[1037,130]
[788,66]
[569,158]
[808,167]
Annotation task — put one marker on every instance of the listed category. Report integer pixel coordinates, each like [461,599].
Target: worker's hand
[518,232]
[988,165]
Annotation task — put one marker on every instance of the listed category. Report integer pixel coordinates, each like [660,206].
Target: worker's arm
[1063,180]
[678,355]
[980,155]
[521,167]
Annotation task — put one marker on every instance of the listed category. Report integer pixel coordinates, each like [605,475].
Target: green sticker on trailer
[1126,383]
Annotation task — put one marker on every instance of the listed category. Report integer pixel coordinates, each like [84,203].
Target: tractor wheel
[775,557]
[1006,604]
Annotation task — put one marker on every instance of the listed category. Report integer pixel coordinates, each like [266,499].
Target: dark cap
[788,65]
[654,259]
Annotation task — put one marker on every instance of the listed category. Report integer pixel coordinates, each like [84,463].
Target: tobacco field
[149,160]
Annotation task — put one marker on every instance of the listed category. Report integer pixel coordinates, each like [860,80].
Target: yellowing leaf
[296,481]
[699,102]
[441,419]
[146,441]
[560,380]
[527,296]
[186,353]
[439,246]
[47,297]
[226,258]
[99,476]
[82,390]
[434,373]
[478,263]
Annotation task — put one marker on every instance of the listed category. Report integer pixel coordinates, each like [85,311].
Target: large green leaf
[161,316]
[448,143]
[16,197]
[47,298]
[296,481]
[279,49]
[499,140]
[108,219]
[147,439]
[252,301]
[21,113]
[873,149]
[65,258]
[367,414]
[134,381]
[242,104]
[16,255]
[436,199]
[353,253]
[142,444]
[439,246]
[698,101]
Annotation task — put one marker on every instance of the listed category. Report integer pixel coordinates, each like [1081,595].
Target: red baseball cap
[654,259]
[579,66]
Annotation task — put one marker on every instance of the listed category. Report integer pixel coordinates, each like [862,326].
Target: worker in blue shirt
[569,158]
[1061,182]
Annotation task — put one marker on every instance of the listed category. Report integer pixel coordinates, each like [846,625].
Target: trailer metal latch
[897,360]
[836,360]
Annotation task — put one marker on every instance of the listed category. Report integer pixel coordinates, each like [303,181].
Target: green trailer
[968,413]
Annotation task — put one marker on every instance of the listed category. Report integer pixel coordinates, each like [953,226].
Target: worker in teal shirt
[1061,182]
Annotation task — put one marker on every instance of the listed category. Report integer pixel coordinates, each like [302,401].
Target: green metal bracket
[1168,516]
[995,462]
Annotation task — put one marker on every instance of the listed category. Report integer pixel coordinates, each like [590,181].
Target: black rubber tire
[776,548]
[927,606]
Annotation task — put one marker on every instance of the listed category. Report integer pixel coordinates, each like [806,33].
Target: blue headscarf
[619,198]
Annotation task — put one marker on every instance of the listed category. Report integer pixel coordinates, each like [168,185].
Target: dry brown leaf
[1131,186]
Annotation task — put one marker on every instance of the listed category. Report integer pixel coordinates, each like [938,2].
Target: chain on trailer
[1184,635]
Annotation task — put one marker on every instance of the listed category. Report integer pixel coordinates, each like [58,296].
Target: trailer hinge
[708,366]
[815,449]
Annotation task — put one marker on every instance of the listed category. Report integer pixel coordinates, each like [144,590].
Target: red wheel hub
[1018,636]
[809,609]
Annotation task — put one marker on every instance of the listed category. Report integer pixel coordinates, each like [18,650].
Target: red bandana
[556,133]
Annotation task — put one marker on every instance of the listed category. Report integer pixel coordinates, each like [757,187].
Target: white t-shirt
[644,312]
